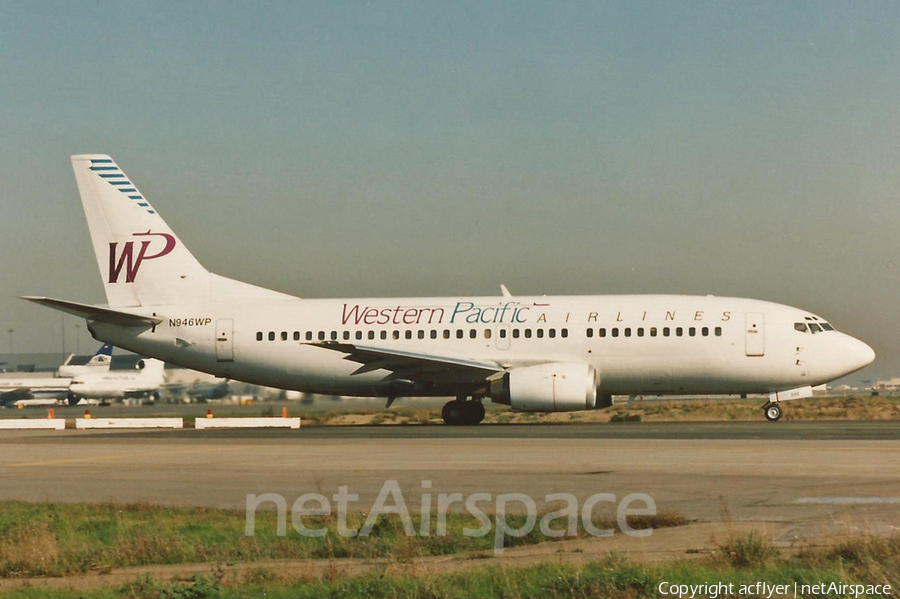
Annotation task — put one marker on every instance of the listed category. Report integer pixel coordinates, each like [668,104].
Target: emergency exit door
[225,340]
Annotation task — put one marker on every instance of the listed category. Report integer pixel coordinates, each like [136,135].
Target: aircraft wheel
[454,413]
[474,412]
[773,412]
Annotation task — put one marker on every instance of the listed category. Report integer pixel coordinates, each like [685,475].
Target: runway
[811,478]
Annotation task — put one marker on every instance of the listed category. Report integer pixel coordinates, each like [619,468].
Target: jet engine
[554,387]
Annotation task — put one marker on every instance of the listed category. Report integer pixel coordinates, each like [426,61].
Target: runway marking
[846,500]
[102,458]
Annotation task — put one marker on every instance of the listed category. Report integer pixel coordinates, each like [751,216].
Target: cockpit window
[813,325]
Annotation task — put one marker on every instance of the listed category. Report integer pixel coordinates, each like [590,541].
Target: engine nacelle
[555,387]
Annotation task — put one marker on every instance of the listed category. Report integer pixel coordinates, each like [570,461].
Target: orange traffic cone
[87,414]
[284,412]
[51,414]
[209,413]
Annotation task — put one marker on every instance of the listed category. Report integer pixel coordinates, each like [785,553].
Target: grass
[53,539]
[865,561]
[650,410]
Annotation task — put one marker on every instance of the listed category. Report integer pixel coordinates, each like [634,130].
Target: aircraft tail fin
[142,261]
[103,357]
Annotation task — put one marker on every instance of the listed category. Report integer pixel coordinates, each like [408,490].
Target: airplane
[48,391]
[145,381]
[100,362]
[532,353]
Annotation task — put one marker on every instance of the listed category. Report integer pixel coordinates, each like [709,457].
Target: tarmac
[805,479]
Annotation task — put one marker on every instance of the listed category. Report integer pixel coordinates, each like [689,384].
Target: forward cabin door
[225,340]
[755,337]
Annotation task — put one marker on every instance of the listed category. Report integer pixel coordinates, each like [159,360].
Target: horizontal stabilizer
[97,313]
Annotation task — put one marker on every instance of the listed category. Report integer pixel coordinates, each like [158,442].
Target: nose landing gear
[463,412]
[772,412]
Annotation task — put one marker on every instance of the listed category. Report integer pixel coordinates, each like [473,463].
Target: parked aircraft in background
[145,381]
[43,391]
[100,362]
[532,353]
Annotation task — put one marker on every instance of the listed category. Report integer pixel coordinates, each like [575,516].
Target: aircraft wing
[414,366]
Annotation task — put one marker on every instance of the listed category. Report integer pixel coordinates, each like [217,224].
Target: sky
[337,149]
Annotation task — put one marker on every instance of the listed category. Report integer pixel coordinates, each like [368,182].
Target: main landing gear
[463,412]
[772,412]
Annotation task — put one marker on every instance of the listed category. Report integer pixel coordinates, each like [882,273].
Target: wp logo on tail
[129,261]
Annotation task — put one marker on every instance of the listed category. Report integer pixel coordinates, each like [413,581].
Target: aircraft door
[225,340]
[755,337]
[503,336]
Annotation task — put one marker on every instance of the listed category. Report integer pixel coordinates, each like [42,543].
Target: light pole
[77,331]
[10,331]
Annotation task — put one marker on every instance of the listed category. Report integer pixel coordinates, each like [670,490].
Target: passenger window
[296,335]
[396,334]
[359,335]
[705,331]
[653,331]
[409,334]
[271,335]
[679,332]
[540,333]
[589,333]
[615,332]
[718,331]
[502,333]
[692,331]
[309,335]
[459,333]
[321,335]
[421,334]
[528,333]
[433,333]
[640,331]
[666,331]
[473,333]
[334,335]
[384,334]
[601,333]
[628,331]
[552,333]
[371,334]
[515,333]
[564,333]
[284,335]
[346,335]
[446,333]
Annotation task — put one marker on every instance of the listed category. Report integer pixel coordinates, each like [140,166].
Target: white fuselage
[639,344]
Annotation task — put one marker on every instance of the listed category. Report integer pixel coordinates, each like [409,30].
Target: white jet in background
[35,391]
[144,382]
[535,353]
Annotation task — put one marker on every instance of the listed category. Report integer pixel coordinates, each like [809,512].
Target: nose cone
[858,354]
